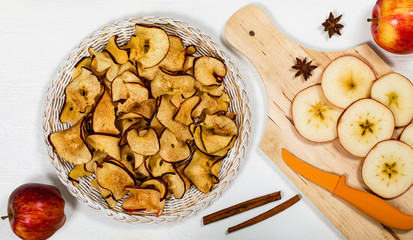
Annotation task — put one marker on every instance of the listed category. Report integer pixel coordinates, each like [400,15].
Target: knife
[370,204]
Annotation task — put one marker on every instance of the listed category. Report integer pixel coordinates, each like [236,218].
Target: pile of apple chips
[151,119]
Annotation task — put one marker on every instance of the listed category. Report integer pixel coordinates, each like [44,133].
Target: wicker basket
[194,200]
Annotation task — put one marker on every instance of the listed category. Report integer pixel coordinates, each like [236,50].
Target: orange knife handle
[374,206]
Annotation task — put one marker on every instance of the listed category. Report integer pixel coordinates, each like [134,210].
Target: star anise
[303,67]
[332,26]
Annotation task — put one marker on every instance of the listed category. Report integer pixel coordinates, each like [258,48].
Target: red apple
[392,25]
[36,211]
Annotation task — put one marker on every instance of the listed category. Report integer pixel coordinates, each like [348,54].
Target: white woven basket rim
[233,159]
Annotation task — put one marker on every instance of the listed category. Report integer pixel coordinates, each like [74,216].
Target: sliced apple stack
[345,80]
[396,92]
[388,168]
[314,117]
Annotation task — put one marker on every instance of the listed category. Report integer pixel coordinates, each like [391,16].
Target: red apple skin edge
[391,25]
[36,211]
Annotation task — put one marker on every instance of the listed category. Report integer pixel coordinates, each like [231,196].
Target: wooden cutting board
[250,31]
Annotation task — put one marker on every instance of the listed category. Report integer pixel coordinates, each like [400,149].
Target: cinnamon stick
[241,207]
[266,214]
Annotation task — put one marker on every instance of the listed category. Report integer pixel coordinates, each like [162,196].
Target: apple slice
[363,124]
[157,166]
[209,70]
[147,73]
[183,114]
[77,172]
[101,62]
[144,141]
[388,168]
[83,63]
[314,117]
[175,184]
[175,58]
[114,178]
[151,45]
[158,184]
[396,92]
[165,83]
[128,66]
[120,56]
[172,149]
[83,90]
[345,80]
[141,199]
[407,135]
[198,171]
[98,157]
[105,143]
[103,116]
[70,146]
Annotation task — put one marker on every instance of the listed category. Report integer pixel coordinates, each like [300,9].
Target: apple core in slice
[363,124]
[345,80]
[314,117]
[396,92]
[388,168]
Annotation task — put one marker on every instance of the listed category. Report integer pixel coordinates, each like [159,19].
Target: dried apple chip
[141,199]
[148,144]
[114,178]
[184,112]
[103,116]
[158,184]
[120,56]
[70,146]
[175,58]
[209,70]
[165,83]
[105,143]
[172,149]
[175,184]
[84,62]
[83,90]
[198,171]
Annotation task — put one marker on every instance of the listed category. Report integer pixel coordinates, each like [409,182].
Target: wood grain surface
[251,32]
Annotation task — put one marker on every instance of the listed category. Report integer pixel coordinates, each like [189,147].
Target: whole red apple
[392,25]
[36,211]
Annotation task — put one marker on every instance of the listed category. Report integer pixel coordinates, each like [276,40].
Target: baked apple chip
[108,144]
[101,62]
[158,184]
[147,73]
[103,116]
[157,166]
[175,184]
[184,112]
[144,141]
[148,46]
[141,199]
[209,70]
[83,90]
[175,58]
[172,149]
[97,157]
[70,146]
[71,112]
[198,171]
[165,83]
[77,172]
[120,55]
[83,63]
[114,178]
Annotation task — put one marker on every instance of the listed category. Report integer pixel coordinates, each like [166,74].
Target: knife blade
[370,204]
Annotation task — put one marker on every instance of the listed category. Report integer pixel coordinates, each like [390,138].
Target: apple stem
[372,19]
[8,216]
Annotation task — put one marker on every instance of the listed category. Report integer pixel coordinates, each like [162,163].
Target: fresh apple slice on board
[347,79]
[396,92]
[314,117]
[363,124]
[407,135]
[388,168]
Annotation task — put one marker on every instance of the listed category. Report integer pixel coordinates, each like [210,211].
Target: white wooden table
[35,37]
